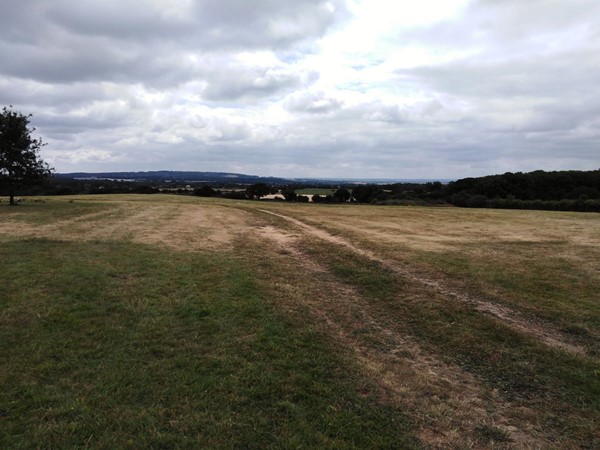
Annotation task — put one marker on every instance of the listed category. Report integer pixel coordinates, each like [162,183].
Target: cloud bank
[356,88]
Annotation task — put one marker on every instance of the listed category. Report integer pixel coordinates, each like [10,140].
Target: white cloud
[310,87]
[311,102]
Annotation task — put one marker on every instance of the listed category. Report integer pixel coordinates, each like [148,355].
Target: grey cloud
[84,60]
[517,19]
[514,85]
[134,85]
[508,28]
[127,20]
[83,122]
[223,130]
[23,22]
[551,75]
[131,41]
[387,113]
[430,107]
[523,96]
[206,24]
[44,97]
[235,81]
[312,102]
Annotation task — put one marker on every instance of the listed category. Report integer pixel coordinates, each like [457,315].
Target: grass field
[170,322]
[317,191]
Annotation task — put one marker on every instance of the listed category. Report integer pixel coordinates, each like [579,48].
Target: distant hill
[562,190]
[176,176]
[229,178]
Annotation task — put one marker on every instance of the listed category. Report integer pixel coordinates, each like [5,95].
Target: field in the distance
[168,321]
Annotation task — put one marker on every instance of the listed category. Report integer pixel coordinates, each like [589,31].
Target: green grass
[114,345]
[45,211]
[542,264]
[317,191]
[549,287]
[565,388]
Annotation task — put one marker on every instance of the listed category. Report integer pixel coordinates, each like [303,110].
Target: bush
[205,191]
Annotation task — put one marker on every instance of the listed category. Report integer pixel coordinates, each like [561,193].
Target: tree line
[558,190]
[23,171]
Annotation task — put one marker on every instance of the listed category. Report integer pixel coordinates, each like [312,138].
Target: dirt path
[457,404]
[506,315]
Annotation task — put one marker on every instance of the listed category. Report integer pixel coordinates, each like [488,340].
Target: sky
[307,88]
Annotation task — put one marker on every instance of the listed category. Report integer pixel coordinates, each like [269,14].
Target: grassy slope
[119,345]
[563,389]
[549,275]
[544,264]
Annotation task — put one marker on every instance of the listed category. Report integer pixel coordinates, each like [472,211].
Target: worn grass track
[178,322]
[538,376]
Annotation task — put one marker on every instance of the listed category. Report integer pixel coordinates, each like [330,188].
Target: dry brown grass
[497,269]
[421,228]
[446,402]
[536,273]
[172,225]
[508,316]
[513,258]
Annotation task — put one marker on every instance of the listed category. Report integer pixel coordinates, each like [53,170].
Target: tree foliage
[563,190]
[365,193]
[258,190]
[289,193]
[20,163]
[206,191]
[538,185]
[342,195]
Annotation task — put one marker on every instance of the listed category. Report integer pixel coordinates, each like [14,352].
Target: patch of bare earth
[446,402]
[544,332]
[180,227]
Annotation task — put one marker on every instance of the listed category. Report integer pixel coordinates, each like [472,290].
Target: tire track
[508,316]
[447,403]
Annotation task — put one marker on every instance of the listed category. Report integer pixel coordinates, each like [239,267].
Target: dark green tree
[258,190]
[342,195]
[289,193]
[205,191]
[20,163]
[364,193]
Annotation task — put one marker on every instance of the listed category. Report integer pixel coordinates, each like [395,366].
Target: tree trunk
[11,194]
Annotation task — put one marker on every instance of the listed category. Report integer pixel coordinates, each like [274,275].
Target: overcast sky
[307,88]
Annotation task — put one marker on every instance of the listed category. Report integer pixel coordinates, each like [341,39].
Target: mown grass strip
[111,345]
[41,210]
[565,389]
[551,288]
